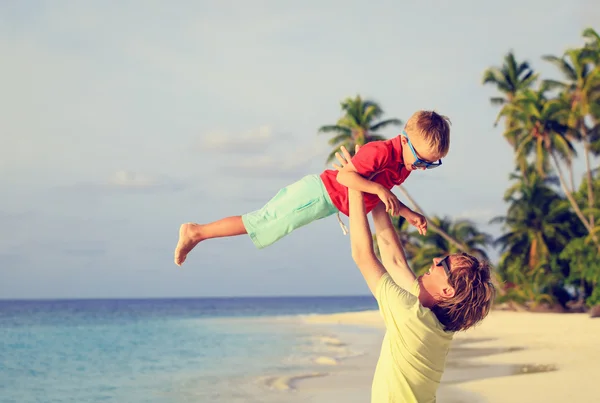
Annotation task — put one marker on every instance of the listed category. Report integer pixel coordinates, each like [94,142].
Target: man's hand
[391,202]
[346,159]
[416,220]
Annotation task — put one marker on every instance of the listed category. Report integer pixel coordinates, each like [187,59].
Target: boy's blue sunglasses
[419,163]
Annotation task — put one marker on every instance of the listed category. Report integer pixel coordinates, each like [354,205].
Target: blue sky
[121,120]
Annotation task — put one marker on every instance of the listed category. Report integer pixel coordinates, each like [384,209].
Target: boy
[379,167]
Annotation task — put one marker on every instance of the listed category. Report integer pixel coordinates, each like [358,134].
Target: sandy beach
[510,357]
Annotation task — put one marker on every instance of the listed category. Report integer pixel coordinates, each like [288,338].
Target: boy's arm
[352,179]
[371,158]
[390,249]
[362,242]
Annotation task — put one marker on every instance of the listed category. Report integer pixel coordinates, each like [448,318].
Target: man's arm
[362,243]
[390,248]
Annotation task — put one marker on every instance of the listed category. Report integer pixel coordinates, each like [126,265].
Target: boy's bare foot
[189,237]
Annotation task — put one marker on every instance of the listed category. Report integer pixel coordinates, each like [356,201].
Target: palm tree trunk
[432,226]
[571,176]
[521,162]
[574,202]
[590,189]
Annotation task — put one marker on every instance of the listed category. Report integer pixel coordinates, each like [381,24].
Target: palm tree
[581,86]
[434,245]
[593,42]
[539,131]
[510,79]
[538,223]
[537,219]
[456,243]
[358,125]
[538,128]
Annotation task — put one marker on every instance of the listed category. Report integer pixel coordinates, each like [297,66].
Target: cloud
[130,182]
[252,141]
[133,180]
[276,164]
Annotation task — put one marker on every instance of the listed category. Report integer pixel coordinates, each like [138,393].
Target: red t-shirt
[379,161]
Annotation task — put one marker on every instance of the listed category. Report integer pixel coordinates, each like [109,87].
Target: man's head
[425,140]
[458,290]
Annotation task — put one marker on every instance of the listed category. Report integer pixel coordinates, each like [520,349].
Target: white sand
[569,342]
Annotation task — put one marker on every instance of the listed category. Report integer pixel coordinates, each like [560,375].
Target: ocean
[162,350]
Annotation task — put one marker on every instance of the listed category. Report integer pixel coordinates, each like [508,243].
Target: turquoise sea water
[180,350]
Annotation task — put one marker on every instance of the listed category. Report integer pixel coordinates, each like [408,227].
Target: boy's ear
[403,140]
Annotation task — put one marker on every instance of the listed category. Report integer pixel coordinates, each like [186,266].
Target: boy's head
[425,139]
[458,290]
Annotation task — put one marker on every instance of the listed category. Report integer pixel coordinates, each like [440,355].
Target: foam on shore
[324,360]
[288,382]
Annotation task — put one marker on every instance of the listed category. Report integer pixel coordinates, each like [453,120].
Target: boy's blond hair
[435,128]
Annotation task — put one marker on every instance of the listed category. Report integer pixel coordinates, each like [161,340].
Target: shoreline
[511,356]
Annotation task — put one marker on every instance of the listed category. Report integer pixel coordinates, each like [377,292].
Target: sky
[121,120]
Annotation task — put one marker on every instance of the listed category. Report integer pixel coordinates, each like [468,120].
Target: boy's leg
[292,207]
[191,234]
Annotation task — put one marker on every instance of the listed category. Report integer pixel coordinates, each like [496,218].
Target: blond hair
[474,294]
[434,128]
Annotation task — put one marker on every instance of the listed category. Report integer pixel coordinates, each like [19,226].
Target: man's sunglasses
[419,163]
[444,264]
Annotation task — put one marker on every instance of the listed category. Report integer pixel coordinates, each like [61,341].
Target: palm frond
[340,138]
[554,84]
[376,137]
[498,100]
[335,129]
[565,67]
[385,123]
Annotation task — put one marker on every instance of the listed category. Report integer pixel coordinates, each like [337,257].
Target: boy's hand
[416,220]
[391,202]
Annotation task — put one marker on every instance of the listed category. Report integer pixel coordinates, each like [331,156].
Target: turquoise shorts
[292,207]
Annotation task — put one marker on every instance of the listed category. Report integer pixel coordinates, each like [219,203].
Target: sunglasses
[444,264]
[419,163]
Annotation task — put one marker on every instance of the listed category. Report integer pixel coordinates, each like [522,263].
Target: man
[421,314]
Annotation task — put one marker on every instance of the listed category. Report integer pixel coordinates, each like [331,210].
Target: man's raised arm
[362,243]
[390,249]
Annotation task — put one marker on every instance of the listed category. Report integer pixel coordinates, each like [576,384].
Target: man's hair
[474,294]
[435,128]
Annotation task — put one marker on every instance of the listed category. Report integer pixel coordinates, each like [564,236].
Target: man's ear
[447,292]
